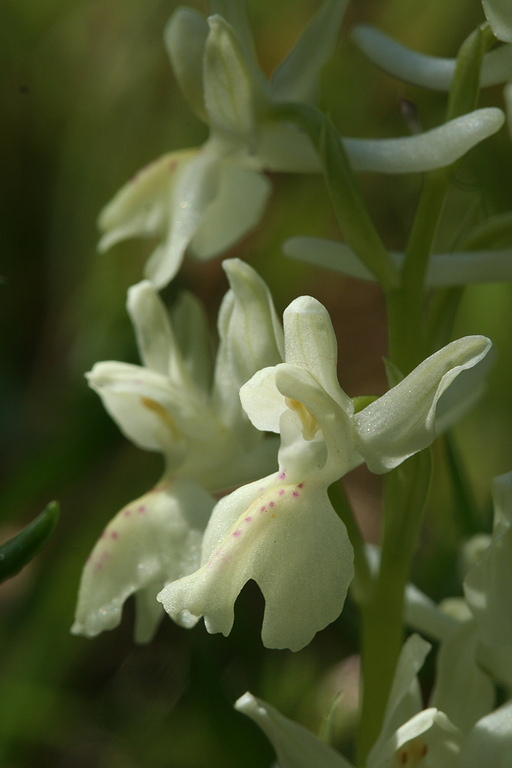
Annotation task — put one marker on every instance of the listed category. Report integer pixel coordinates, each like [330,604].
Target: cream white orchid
[480,624]
[205,200]
[410,736]
[282,531]
[176,405]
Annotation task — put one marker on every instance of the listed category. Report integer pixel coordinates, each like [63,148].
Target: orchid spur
[176,405]
[274,529]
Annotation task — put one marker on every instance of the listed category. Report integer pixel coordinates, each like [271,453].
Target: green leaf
[348,202]
[495,232]
[19,550]
[465,85]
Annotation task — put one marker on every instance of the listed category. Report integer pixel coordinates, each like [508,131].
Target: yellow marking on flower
[309,423]
[412,753]
[163,414]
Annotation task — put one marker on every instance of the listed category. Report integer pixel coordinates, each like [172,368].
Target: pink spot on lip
[272,504]
[141,509]
[300,485]
[248,519]
[282,492]
[103,535]
[237,532]
[296,493]
[282,475]
[262,509]
[114,535]
[127,512]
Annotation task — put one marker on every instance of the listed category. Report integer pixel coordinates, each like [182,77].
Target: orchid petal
[490,741]
[424,615]
[488,585]
[427,71]
[195,188]
[310,342]
[262,401]
[316,410]
[428,738]
[272,540]
[295,746]
[150,411]
[155,340]
[405,697]
[458,671]
[436,148]
[296,77]
[236,209]
[192,334]
[141,208]
[229,90]
[253,310]
[235,13]
[402,422]
[250,335]
[185,39]
[152,541]
[138,400]
[499,16]
[463,393]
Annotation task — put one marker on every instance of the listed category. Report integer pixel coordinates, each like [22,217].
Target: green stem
[382,616]
[349,205]
[405,305]
[362,583]
[465,509]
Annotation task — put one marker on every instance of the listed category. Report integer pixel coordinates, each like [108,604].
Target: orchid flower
[206,199]
[176,405]
[410,735]
[487,586]
[282,531]
[479,625]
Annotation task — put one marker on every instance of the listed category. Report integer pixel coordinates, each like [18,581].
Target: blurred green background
[88,98]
